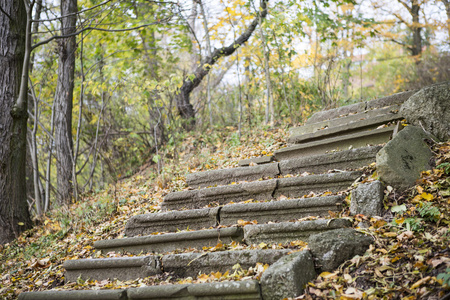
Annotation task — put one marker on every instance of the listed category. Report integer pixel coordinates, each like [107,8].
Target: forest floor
[409,259]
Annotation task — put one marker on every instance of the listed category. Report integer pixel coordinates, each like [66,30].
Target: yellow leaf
[419,189]
[20,224]
[427,196]
[420,282]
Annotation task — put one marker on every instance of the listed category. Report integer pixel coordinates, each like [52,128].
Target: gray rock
[122,268]
[190,264]
[288,276]
[332,248]
[285,232]
[430,108]
[75,295]
[367,199]
[279,211]
[172,241]
[227,176]
[400,162]
[172,221]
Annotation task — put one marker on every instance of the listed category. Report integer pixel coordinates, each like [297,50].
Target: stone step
[120,294]
[328,124]
[396,99]
[226,290]
[227,176]
[338,143]
[286,232]
[279,211]
[259,160]
[269,233]
[172,241]
[147,224]
[347,127]
[263,212]
[260,190]
[181,265]
[347,159]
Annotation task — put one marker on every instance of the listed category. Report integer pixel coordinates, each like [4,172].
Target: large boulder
[333,247]
[430,108]
[401,161]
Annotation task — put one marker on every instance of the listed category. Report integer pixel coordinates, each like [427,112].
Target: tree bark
[14,215]
[63,99]
[190,82]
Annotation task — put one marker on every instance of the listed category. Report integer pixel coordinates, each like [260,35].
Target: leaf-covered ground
[410,258]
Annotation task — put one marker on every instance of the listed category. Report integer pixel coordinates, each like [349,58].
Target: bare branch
[95,28]
[6,14]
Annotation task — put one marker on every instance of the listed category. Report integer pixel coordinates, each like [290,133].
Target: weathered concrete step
[172,221]
[345,128]
[172,241]
[227,176]
[191,264]
[347,159]
[286,232]
[396,99]
[269,233]
[328,124]
[354,140]
[76,295]
[341,160]
[260,190]
[274,211]
[279,211]
[259,160]
[227,290]
[181,265]
[122,268]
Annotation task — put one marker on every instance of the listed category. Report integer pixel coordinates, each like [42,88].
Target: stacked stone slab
[330,147]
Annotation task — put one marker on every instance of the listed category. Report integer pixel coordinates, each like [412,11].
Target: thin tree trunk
[269,100]
[14,215]
[64,98]
[34,157]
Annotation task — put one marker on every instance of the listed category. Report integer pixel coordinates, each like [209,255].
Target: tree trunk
[416,49]
[63,99]
[14,215]
[447,10]
[184,106]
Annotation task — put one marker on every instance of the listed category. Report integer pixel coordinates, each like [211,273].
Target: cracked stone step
[346,128]
[367,114]
[396,99]
[146,224]
[229,290]
[280,211]
[181,265]
[341,160]
[191,264]
[260,190]
[259,160]
[338,143]
[122,268]
[227,176]
[263,212]
[76,295]
[286,232]
[172,241]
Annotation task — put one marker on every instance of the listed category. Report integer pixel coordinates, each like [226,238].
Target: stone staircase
[306,179]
